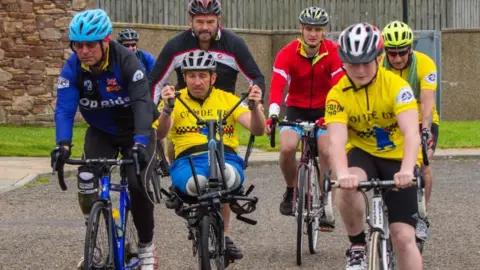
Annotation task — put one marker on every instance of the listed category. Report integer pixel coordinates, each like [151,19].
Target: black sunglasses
[79,45]
[400,53]
[129,45]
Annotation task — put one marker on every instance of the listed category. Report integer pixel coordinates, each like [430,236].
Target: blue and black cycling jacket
[117,101]
[146,60]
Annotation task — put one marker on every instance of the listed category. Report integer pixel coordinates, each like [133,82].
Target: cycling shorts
[402,204]
[310,115]
[181,172]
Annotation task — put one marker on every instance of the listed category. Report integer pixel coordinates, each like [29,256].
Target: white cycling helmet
[198,60]
[360,43]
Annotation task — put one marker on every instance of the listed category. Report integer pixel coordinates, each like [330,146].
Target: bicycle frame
[307,142]
[106,187]
[376,221]
[117,242]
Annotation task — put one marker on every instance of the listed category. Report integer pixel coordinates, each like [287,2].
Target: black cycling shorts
[434,130]
[402,204]
[310,115]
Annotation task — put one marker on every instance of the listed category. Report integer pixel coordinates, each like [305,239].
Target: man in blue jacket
[108,85]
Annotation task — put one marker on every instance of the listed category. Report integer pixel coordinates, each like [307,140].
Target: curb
[32,177]
[25,180]
[252,163]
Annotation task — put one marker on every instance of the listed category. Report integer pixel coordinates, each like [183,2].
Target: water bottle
[118,223]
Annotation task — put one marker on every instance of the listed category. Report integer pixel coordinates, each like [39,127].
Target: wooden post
[405,11]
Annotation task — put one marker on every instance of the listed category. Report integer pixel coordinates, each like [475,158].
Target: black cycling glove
[58,156]
[142,155]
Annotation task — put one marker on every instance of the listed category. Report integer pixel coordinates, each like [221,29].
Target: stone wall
[33,47]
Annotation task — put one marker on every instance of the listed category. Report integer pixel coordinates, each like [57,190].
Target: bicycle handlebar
[374,183]
[285,123]
[425,147]
[105,161]
[110,162]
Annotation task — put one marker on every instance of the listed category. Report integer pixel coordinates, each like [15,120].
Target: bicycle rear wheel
[209,244]
[300,210]
[314,218]
[98,252]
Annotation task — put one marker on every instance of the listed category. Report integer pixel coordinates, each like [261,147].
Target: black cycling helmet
[127,34]
[314,16]
[198,60]
[360,43]
[204,7]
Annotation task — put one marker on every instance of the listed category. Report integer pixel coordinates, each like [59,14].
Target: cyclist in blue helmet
[108,85]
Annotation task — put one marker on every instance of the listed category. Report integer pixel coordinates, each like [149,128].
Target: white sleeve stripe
[281,72]
[175,63]
[336,71]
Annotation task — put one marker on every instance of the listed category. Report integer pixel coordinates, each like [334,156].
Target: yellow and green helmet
[397,34]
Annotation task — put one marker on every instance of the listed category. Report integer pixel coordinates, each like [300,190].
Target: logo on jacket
[88,85]
[112,85]
[405,95]
[137,76]
[62,83]
[89,104]
[112,81]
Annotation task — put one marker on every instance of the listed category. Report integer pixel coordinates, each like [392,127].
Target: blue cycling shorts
[180,170]
[300,131]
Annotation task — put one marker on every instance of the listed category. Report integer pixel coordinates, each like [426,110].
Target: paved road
[41,227]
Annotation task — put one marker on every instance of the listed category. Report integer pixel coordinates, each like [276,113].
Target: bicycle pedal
[325,229]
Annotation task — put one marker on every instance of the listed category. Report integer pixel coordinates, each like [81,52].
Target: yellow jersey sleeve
[335,107]
[160,108]
[404,99]
[242,108]
[427,73]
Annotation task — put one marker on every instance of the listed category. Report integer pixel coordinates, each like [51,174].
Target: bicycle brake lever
[61,179]
[247,220]
[137,165]
[249,190]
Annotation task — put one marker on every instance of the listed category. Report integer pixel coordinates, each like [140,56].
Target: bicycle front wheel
[314,216]
[98,251]
[131,239]
[375,254]
[209,244]
[156,186]
[300,210]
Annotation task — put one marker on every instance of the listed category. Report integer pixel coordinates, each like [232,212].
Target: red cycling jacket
[309,80]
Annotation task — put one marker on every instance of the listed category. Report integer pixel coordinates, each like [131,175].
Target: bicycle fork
[379,224]
[296,191]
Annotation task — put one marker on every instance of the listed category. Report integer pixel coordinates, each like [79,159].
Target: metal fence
[283,14]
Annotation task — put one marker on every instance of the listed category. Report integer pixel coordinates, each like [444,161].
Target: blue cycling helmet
[90,25]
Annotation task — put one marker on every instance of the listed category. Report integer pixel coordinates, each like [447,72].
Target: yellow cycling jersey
[370,113]
[426,79]
[185,133]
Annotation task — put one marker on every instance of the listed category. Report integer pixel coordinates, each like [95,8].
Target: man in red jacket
[310,66]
